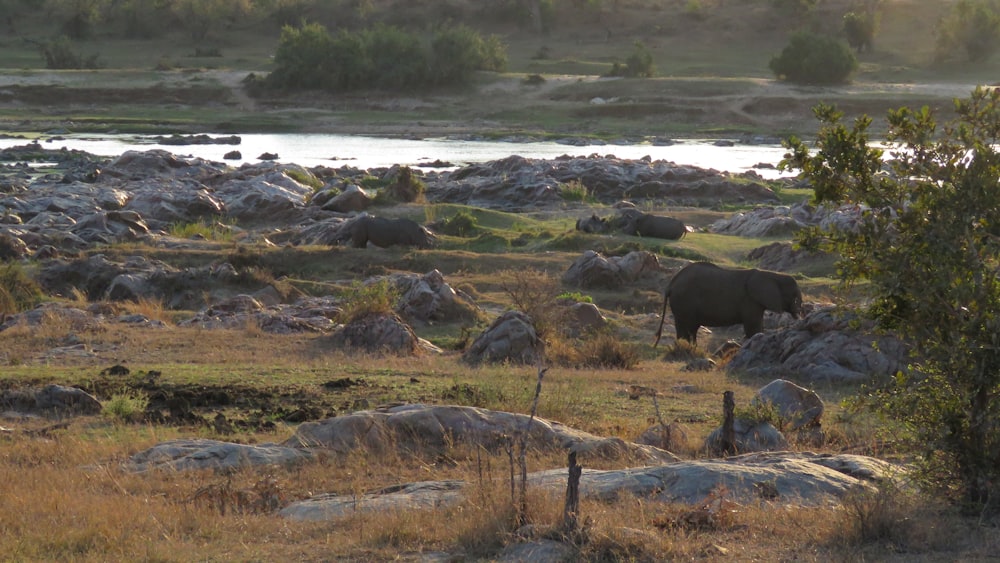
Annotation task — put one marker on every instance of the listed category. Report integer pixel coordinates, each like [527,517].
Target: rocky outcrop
[193,454]
[824,346]
[785,220]
[801,479]
[518,184]
[593,270]
[429,430]
[428,299]
[377,333]
[785,257]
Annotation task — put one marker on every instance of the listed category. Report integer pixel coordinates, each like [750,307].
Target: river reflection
[371,152]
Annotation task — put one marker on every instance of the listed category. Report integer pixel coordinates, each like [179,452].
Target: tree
[811,58]
[972,26]
[928,248]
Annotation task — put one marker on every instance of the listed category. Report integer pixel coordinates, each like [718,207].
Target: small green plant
[461,224]
[694,9]
[576,297]
[125,407]
[758,412]
[304,177]
[202,229]
[370,182]
[574,190]
[365,299]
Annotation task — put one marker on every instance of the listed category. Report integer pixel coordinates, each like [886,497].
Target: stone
[797,406]
[56,400]
[510,338]
[377,333]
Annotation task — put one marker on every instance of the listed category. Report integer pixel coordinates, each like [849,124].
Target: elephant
[655,226]
[384,233]
[703,294]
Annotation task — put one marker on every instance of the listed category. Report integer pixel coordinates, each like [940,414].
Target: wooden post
[571,521]
[728,442]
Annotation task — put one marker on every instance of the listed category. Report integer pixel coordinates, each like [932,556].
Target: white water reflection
[371,152]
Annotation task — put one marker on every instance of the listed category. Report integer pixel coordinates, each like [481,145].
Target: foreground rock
[803,479]
[427,429]
[414,429]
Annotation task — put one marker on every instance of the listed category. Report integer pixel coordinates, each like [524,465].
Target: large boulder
[377,333]
[800,479]
[592,270]
[510,338]
[428,299]
[201,454]
[430,430]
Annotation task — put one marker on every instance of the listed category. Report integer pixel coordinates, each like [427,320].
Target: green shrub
[576,297]
[125,407]
[811,58]
[304,177]
[397,58]
[362,300]
[574,190]
[461,224]
[201,229]
[18,292]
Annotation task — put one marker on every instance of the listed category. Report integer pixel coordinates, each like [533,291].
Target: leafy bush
[574,190]
[125,407]
[461,224]
[972,26]
[362,300]
[811,58]
[927,255]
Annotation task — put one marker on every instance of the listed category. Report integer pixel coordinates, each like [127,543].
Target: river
[371,152]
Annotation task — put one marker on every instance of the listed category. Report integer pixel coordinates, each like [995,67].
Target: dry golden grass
[67,497]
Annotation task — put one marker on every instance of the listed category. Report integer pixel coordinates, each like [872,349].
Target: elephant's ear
[765,290]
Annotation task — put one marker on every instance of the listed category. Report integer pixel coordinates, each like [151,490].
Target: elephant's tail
[663,316]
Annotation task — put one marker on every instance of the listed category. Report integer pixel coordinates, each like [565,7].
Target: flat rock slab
[803,479]
[433,428]
[179,455]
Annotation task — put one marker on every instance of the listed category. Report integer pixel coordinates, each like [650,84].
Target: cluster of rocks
[784,220]
[824,346]
[139,194]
